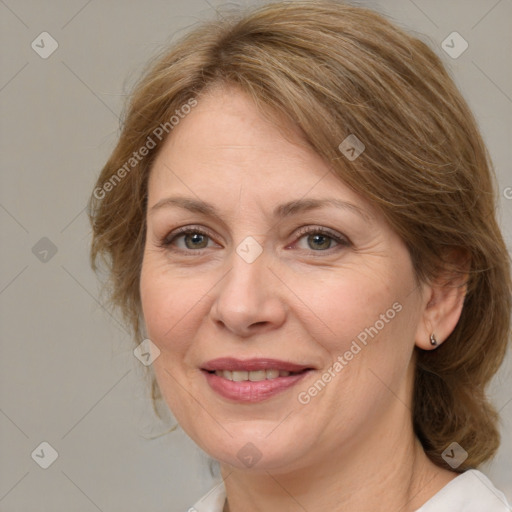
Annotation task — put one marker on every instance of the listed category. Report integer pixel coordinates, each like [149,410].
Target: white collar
[213,501]
[471,491]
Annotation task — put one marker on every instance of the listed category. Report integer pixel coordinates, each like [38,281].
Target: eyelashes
[323,233]
[195,240]
[168,241]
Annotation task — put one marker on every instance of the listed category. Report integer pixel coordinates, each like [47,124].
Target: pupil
[323,242]
[195,241]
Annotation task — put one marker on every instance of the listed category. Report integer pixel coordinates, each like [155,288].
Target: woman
[299,214]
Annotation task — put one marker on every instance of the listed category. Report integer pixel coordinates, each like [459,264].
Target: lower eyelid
[338,244]
[177,236]
[169,240]
[338,238]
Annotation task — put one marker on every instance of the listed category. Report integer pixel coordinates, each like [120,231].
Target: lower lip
[250,392]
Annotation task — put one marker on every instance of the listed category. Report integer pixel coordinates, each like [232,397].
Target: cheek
[367,312]
[172,310]
[157,302]
[168,303]
[368,329]
[346,302]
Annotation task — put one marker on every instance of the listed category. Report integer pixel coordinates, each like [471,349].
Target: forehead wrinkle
[281,211]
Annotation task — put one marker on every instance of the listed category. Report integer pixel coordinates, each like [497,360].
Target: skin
[352,447]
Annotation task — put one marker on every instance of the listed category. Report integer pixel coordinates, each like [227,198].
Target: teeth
[272,374]
[253,376]
[226,374]
[239,376]
[256,376]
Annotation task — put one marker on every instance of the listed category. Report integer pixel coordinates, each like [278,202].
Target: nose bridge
[245,296]
[247,261]
[246,279]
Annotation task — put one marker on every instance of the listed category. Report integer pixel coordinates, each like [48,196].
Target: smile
[252,380]
[253,376]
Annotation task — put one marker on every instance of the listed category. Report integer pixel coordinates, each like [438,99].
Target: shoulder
[471,491]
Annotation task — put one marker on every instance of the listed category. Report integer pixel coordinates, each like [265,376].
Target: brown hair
[334,70]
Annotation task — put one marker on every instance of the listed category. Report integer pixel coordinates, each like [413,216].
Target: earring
[433,340]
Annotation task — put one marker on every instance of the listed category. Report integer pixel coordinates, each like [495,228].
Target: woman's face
[280,261]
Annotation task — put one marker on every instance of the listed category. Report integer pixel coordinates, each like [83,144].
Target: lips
[252,380]
[252,365]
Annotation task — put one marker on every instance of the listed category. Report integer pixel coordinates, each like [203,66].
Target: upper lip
[232,364]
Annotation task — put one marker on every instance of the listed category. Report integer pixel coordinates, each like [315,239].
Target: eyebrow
[281,211]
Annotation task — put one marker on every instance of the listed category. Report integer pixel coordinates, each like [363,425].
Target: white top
[471,491]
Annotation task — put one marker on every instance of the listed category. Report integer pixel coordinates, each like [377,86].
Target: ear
[442,304]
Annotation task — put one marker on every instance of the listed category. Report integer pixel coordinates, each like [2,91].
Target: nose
[247,300]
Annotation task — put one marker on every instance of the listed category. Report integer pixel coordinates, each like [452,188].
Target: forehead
[226,147]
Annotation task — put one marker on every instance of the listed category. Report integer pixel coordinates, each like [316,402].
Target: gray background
[67,372]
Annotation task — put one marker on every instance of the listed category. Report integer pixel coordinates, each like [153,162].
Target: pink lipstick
[252,380]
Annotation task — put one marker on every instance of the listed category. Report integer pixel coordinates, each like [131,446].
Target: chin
[253,452]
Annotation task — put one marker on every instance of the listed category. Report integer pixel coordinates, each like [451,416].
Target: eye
[187,238]
[320,239]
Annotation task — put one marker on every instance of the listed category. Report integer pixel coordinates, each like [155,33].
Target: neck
[388,471]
